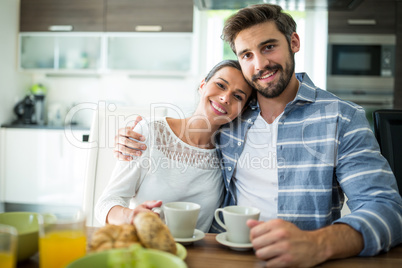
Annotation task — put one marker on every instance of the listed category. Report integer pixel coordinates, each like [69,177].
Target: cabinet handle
[61,28]
[148,28]
[362,22]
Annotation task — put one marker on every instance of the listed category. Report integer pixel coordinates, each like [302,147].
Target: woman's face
[223,97]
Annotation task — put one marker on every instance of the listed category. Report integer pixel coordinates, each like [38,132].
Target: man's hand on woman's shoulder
[126,142]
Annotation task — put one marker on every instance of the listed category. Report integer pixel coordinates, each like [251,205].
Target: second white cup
[180,217]
[235,218]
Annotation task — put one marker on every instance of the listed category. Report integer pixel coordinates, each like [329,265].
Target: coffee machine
[25,110]
[31,110]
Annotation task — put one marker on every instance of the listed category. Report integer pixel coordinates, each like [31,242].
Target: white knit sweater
[169,170]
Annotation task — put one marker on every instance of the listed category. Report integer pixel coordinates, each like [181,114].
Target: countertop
[36,126]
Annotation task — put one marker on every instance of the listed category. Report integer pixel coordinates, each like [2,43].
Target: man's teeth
[267,75]
[217,108]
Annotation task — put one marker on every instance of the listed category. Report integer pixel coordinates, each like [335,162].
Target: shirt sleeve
[367,180]
[125,179]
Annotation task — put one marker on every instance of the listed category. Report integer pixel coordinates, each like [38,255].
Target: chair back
[101,161]
[388,131]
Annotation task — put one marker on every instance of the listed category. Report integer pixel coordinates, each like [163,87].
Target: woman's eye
[238,97]
[220,85]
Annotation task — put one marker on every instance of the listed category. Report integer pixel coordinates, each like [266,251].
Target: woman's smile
[217,108]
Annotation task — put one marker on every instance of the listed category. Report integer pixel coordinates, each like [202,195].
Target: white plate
[221,238]
[198,235]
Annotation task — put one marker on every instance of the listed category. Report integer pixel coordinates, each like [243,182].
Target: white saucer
[221,238]
[198,235]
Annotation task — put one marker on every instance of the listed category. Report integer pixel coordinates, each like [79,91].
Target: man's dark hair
[256,14]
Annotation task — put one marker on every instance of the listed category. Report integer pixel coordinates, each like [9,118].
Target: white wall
[13,85]
[122,91]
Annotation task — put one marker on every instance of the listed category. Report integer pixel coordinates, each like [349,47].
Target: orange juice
[59,248]
[7,260]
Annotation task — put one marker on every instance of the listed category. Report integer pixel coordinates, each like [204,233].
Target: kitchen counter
[49,161]
[35,126]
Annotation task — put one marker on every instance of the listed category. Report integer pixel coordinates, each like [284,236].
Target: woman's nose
[225,97]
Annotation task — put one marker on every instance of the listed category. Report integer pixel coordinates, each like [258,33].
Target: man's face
[266,58]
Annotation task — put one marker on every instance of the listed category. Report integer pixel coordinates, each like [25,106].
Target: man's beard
[272,90]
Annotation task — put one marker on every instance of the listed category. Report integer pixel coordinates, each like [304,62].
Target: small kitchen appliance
[25,111]
[31,110]
[39,109]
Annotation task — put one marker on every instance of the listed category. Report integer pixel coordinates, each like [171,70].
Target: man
[317,147]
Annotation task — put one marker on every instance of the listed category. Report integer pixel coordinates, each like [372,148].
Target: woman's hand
[146,206]
[120,215]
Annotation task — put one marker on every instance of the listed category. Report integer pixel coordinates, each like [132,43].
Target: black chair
[388,131]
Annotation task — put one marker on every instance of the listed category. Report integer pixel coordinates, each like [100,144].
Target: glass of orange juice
[8,246]
[62,238]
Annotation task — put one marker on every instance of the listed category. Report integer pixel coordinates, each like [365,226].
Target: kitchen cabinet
[106,15]
[99,40]
[141,53]
[43,166]
[149,15]
[61,15]
[99,53]
[370,17]
[64,51]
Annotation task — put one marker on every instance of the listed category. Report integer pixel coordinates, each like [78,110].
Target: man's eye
[246,55]
[269,47]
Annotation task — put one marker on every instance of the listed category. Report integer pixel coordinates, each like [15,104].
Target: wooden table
[209,253]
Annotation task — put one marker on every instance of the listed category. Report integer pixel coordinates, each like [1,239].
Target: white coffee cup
[180,217]
[235,218]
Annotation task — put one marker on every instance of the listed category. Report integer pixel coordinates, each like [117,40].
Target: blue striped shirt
[325,149]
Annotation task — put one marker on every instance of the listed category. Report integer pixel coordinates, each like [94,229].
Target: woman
[181,163]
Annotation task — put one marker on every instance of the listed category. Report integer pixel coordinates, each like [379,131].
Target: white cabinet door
[62,52]
[131,53]
[41,166]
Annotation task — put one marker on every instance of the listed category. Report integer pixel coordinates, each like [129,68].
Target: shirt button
[229,168]
[248,120]
[239,143]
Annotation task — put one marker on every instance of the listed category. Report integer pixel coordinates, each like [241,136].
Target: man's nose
[261,62]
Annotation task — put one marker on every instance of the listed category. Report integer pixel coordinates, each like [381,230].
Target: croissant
[153,233]
[113,236]
[148,230]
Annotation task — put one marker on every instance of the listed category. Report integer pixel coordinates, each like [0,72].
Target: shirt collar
[305,93]
[307,89]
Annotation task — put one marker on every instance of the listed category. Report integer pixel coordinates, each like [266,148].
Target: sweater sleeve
[125,179]
[368,182]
